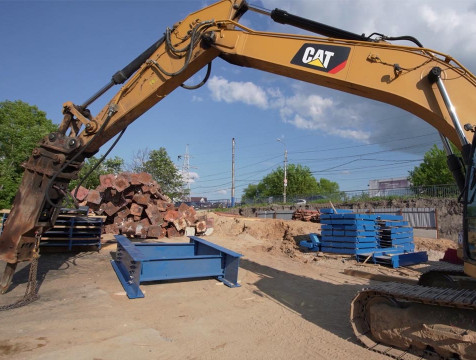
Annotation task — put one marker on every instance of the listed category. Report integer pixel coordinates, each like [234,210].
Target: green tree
[250,192]
[433,170]
[327,187]
[158,164]
[108,166]
[22,126]
[300,182]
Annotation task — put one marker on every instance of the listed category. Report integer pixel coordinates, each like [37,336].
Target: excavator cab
[469,216]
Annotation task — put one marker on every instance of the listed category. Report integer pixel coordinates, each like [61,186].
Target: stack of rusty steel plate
[135,206]
[306,215]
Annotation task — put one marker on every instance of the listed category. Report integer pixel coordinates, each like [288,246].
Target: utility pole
[186,172]
[285,173]
[233,172]
[285,181]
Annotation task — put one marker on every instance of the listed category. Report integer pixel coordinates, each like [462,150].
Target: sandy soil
[291,305]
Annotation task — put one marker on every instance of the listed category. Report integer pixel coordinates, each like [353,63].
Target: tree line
[22,126]
[300,182]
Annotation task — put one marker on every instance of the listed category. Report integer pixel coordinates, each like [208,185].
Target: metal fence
[421,218]
[434,191]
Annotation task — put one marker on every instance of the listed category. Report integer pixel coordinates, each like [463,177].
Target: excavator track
[438,323]
[447,276]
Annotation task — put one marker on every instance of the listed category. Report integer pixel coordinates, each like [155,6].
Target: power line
[362,145]
[246,177]
[339,148]
[312,160]
[366,167]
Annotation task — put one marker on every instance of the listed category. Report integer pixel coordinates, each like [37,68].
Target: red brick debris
[135,206]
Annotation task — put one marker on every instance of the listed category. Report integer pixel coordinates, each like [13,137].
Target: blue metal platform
[139,262]
[393,259]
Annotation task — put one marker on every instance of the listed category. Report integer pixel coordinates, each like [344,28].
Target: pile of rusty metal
[135,206]
[307,215]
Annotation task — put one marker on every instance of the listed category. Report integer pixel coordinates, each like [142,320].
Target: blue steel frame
[314,244]
[139,262]
[71,236]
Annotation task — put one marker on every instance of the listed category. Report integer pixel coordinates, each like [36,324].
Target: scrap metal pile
[135,206]
[307,215]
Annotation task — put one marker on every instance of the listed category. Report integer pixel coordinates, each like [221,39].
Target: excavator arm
[412,78]
[57,160]
[163,67]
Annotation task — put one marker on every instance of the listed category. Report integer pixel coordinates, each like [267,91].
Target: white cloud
[222,192]
[341,115]
[455,28]
[304,110]
[448,27]
[233,91]
[189,177]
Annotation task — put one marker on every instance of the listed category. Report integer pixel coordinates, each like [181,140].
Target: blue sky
[58,51]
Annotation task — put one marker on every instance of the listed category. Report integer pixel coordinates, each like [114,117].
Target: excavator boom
[163,67]
[429,84]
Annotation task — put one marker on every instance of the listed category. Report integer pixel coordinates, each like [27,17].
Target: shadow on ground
[312,299]
[48,261]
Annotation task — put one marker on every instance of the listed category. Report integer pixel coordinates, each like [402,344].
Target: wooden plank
[98,226]
[85,217]
[68,239]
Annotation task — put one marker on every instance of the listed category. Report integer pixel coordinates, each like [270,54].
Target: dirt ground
[291,304]
[449,212]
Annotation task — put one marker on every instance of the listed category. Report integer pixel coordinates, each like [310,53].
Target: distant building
[198,199]
[388,187]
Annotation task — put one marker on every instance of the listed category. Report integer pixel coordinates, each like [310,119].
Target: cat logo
[327,58]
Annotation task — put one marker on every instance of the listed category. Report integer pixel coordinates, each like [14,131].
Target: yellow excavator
[435,318]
